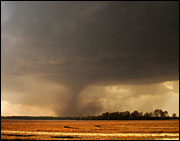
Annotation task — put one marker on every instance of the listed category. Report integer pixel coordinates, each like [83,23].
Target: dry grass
[108,127]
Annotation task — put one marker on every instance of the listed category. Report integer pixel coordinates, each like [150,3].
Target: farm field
[89,130]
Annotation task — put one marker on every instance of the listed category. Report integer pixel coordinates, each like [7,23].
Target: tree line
[135,115]
[158,114]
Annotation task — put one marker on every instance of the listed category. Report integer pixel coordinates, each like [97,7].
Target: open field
[82,130]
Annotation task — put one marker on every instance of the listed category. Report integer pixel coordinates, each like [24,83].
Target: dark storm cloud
[81,43]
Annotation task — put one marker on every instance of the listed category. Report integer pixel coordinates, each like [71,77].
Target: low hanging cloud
[53,51]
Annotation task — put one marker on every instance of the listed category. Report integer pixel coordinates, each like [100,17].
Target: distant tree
[113,116]
[148,115]
[165,114]
[151,114]
[105,116]
[127,115]
[136,115]
[157,112]
[174,115]
[121,115]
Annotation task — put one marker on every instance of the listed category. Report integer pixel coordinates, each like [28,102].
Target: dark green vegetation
[158,114]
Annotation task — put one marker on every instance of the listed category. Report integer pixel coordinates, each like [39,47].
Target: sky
[85,58]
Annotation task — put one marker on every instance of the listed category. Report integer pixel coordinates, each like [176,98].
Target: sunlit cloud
[9,109]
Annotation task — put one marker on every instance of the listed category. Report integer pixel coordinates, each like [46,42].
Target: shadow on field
[16,139]
[62,137]
[18,135]
[70,127]
[68,137]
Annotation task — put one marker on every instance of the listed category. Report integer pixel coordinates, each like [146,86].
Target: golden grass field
[83,130]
